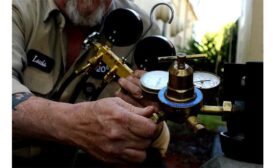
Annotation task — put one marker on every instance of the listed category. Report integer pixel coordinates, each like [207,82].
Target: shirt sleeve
[19,59]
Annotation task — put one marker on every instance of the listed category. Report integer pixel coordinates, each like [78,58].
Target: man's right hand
[112,130]
[109,129]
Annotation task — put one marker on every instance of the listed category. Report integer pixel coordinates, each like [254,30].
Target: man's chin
[82,18]
[88,22]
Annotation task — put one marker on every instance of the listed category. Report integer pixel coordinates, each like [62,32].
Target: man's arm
[18,98]
[109,129]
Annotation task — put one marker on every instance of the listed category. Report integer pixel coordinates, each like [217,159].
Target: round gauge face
[154,80]
[205,80]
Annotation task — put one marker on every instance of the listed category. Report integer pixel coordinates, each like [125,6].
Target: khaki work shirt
[38,30]
[39,49]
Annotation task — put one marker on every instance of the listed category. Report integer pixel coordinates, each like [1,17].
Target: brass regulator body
[180,100]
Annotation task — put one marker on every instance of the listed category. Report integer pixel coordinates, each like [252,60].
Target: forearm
[40,119]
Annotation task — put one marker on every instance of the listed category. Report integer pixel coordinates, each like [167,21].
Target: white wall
[250,35]
[148,4]
[180,30]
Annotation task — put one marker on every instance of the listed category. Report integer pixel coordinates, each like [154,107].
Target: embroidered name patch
[40,61]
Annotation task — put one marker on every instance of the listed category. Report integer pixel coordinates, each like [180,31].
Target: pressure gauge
[152,82]
[207,82]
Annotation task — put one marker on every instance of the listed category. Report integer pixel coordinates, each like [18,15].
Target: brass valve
[180,100]
[227,107]
[180,85]
[187,57]
[104,54]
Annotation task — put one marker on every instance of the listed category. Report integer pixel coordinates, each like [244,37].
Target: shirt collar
[50,9]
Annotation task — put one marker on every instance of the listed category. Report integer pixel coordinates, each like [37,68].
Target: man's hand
[109,129]
[113,130]
[131,92]
[134,96]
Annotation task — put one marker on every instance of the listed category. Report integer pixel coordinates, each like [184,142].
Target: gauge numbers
[205,80]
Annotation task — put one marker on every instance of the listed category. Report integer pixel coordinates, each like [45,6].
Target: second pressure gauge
[207,82]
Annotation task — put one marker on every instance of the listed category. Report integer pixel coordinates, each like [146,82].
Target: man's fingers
[133,155]
[132,84]
[128,99]
[135,81]
[136,119]
[141,126]
[134,90]
[108,159]
[135,142]
[145,112]
[139,73]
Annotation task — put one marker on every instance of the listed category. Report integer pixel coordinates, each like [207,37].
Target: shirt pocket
[38,81]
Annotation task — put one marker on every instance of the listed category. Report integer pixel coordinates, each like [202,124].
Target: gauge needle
[202,81]
[158,82]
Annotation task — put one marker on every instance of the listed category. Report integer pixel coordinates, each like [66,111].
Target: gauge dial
[154,80]
[205,80]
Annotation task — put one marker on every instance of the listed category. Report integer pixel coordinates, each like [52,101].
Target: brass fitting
[180,86]
[195,124]
[217,110]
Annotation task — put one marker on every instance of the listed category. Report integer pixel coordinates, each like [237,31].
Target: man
[47,40]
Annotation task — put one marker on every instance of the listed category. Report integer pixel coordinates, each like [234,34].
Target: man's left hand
[131,91]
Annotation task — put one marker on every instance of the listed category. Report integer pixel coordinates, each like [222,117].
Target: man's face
[86,12]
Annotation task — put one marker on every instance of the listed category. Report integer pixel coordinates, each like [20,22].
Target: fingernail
[149,108]
[141,96]
[138,95]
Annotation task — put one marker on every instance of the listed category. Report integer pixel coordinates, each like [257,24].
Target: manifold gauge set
[169,80]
